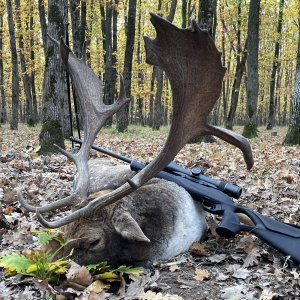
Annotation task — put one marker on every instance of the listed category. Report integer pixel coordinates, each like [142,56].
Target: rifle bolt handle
[196,171]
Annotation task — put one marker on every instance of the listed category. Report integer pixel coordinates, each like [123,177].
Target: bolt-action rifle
[216,197]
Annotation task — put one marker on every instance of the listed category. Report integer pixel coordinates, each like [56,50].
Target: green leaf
[44,238]
[98,266]
[129,270]
[15,262]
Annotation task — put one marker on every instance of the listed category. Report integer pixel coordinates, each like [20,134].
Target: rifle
[216,197]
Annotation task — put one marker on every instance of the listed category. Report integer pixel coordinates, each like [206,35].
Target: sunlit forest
[114,33]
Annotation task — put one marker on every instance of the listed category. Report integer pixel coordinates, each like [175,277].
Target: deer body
[142,219]
[158,221]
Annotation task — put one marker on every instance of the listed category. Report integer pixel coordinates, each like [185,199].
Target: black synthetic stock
[281,236]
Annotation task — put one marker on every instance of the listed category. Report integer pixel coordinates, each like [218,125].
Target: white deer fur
[158,221]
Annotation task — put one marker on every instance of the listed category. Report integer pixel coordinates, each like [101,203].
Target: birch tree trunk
[293,134]
[55,106]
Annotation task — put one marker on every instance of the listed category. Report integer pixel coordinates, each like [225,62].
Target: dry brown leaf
[198,249]
[79,275]
[9,197]
[201,274]
[252,258]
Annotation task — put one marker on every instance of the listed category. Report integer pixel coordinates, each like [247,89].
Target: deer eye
[95,243]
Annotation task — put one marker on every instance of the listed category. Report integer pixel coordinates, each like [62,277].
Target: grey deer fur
[193,65]
[158,221]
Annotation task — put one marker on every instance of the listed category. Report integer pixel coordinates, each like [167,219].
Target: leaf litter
[240,268]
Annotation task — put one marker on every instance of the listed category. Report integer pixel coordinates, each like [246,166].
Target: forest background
[33,84]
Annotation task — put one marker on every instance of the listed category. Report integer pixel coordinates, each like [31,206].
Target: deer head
[193,65]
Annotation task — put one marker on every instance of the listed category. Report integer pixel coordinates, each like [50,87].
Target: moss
[30,122]
[250,131]
[292,136]
[51,133]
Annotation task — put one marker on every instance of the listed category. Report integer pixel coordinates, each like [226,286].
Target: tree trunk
[122,115]
[76,31]
[285,99]
[32,77]
[55,107]
[250,128]
[235,92]
[3,115]
[272,105]
[184,14]
[15,72]
[158,114]
[43,23]
[141,77]
[207,16]
[293,134]
[25,76]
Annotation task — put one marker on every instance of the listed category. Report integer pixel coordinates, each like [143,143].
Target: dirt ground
[240,268]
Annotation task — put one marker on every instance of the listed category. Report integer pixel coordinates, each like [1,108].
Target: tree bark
[15,72]
[235,92]
[272,104]
[43,23]
[3,115]
[207,16]
[141,77]
[122,115]
[32,77]
[293,134]
[250,128]
[25,76]
[158,115]
[184,13]
[55,107]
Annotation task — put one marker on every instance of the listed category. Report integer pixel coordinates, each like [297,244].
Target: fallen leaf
[238,292]
[252,258]
[79,275]
[222,277]
[267,295]
[97,286]
[149,295]
[241,273]
[198,249]
[217,258]
[174,268]
[201,274]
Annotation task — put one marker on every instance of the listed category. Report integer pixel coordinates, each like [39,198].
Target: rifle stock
[281,236]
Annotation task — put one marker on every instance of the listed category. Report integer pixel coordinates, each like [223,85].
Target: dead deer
[142,219]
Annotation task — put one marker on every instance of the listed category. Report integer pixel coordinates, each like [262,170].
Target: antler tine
[88,89]
[193,65]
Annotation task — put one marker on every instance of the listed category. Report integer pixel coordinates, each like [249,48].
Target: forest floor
[240,268]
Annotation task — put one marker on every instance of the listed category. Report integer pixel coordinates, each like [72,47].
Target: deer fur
[158,221]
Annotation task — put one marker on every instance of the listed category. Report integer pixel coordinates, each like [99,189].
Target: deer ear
[127,226]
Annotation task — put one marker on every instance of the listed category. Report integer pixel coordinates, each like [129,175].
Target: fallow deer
[139,218]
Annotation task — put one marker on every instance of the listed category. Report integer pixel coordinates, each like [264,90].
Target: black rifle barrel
[228,188]
[103,150]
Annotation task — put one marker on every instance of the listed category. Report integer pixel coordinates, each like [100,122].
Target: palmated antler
[88,89]
[193,66]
